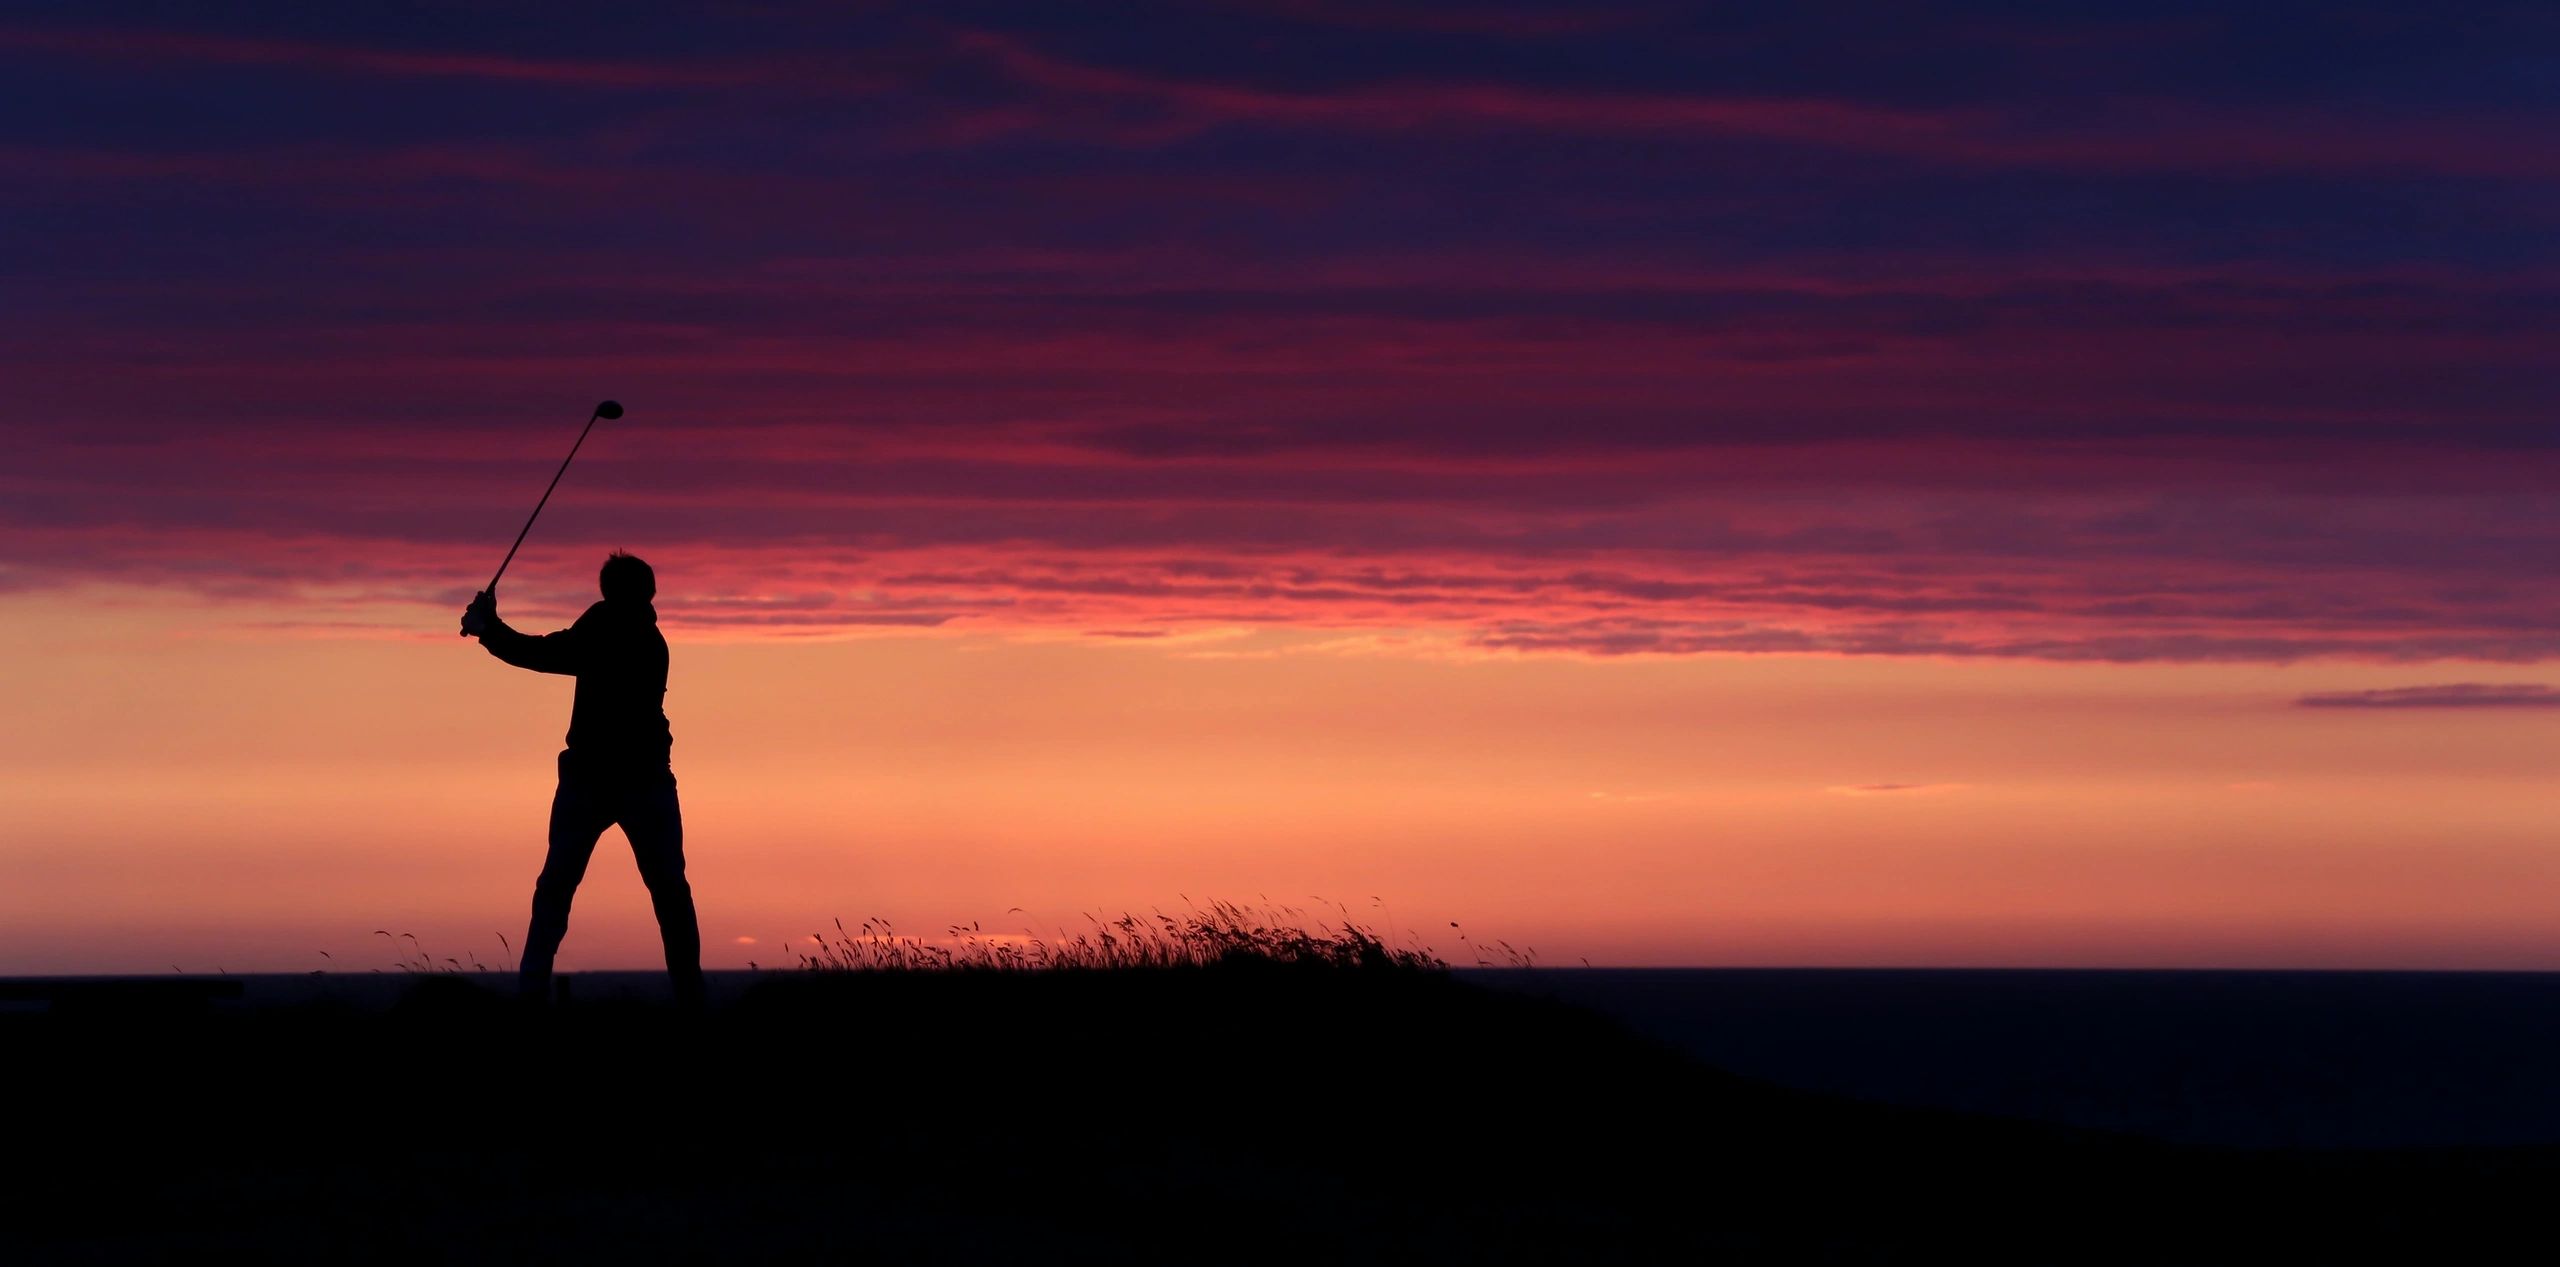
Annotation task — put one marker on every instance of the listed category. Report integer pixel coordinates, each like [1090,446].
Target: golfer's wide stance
[615,769]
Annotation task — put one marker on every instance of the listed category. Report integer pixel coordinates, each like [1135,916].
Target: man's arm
[542,653]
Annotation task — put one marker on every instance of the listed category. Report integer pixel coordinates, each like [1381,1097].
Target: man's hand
[481,615]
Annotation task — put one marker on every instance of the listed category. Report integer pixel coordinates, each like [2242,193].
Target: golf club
[604,409]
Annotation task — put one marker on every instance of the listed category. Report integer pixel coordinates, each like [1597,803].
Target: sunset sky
[1665,484]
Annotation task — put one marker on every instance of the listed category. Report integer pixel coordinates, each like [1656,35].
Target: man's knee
[667,885]
[661,859]
[553,889]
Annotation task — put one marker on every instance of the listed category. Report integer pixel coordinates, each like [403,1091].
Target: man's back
[615,651]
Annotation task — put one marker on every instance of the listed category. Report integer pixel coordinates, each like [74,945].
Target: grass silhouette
[413,959]
[1220,933]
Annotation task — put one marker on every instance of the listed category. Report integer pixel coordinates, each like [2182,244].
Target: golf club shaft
[546,500]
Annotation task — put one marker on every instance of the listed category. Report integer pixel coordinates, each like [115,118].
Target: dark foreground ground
[1253,1114]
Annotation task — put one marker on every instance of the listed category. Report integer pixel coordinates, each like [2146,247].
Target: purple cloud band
[1633,332]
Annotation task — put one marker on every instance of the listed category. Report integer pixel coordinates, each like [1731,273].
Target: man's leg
[578,817]
[655,824]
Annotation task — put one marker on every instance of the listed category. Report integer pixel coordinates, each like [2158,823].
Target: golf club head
[609,410]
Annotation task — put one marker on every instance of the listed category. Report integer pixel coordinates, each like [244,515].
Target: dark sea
[2251,1059]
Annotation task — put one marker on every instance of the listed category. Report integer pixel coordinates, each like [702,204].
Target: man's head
[626,579]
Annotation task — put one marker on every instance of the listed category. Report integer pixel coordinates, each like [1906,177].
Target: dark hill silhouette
[1248,1110]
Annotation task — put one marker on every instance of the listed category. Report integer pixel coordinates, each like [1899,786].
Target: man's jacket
[620,660]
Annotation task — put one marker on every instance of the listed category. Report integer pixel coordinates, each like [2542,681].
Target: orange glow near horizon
[188,785]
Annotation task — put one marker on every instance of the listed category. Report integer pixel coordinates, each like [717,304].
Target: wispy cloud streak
[2445,695]
[230,50]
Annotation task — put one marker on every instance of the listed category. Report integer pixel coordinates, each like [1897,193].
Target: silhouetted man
[615,769]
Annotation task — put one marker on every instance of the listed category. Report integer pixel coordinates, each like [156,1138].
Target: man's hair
[627,576]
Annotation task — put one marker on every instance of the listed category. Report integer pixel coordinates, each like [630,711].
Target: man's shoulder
[621,621]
